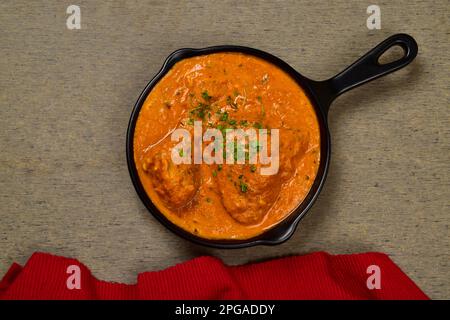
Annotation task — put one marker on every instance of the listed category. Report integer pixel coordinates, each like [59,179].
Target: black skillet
[321,94]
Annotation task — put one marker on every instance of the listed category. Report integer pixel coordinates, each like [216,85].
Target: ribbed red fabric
[313,276]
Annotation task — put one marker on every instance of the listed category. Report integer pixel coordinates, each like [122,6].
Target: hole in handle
[392,54]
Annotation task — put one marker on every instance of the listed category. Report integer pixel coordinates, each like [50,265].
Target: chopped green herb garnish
[232,122]
[219,167]
[200,110]
[243,123]
[259,98]
[258,125]
[252,168]
[214,173]
[224,116]
[206,96]
[181,152]
[243,186]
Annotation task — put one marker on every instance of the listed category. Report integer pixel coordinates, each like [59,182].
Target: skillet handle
[365,69]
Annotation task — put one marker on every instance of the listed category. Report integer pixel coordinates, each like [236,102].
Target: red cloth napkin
[313,276]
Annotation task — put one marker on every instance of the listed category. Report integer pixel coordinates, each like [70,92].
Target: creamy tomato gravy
[226,90]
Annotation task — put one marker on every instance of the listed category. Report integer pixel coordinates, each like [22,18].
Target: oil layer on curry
[224,91]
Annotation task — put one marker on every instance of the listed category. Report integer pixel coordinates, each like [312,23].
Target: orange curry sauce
[226,90]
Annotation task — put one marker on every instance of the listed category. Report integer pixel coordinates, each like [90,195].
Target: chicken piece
[293,146]
[246,194]
[175,184]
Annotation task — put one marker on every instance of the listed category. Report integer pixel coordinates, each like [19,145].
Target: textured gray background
[66,97]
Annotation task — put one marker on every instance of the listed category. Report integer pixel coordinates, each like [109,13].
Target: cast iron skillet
[321,94]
